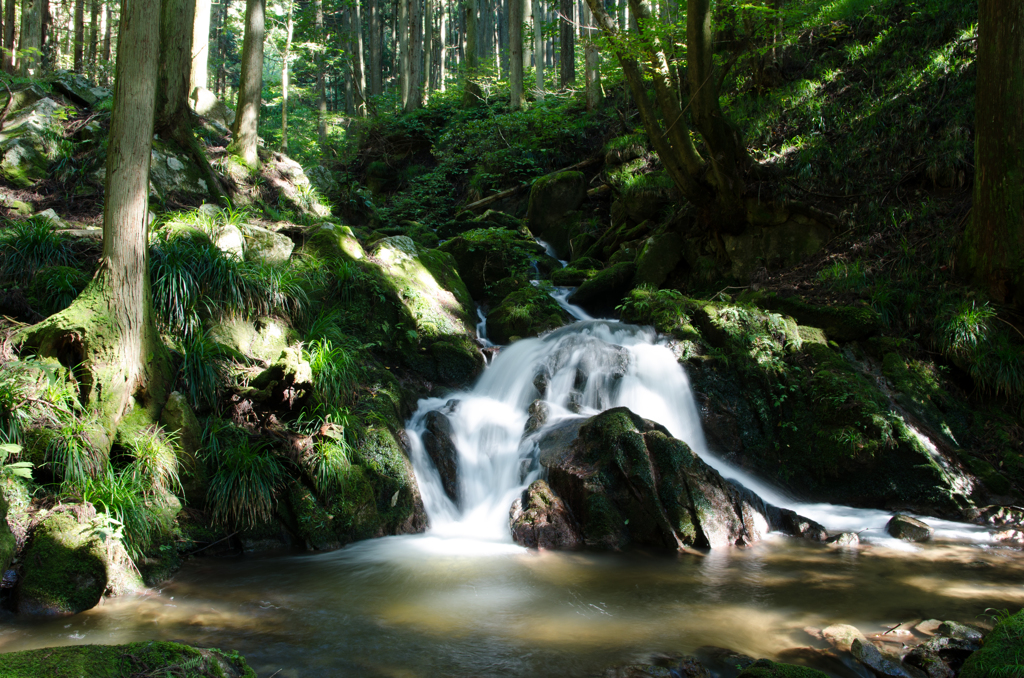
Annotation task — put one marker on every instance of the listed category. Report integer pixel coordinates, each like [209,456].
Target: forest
[623,338]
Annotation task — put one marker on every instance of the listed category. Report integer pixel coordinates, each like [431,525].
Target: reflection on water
[423,606]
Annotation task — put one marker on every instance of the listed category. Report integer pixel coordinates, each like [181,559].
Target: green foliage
[330,466]
[247,476]
[203,368]
[155,461]
[335,367]
[15,469]
[56,287]
[29,245]
[844,276]
[964,327]
[135,515]
[72,456]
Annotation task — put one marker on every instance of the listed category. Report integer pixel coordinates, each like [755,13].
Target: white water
[625,365]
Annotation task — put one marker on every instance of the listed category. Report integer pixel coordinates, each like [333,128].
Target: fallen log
[484,202]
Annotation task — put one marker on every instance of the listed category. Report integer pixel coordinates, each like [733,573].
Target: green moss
[525,313]
[69,573]
[313,523]
[572,276]
[124,661]
[764,668]
[1002,656]
[55,287]
[840,323]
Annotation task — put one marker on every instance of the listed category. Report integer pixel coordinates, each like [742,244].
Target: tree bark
[108,336]
[593,62]
[201,45]
[992,253]
[538,47]
[9,20]
[79,35]
[321,78]
[515,39]
[376,74]
[472,94]
[94,35]
[31,37]
[289,31]
[567,46]
[250,85]
[359,75]
[415,98]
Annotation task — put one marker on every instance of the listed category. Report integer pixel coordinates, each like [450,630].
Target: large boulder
[172,173]
[267,246]
[540,519]
[262,338]
[335,243]
[881,665]
[486,256]
[205,103]
[78,89]
[27,141]
[178,419]
[438,443]
[68,566]
[285,384]
[631,484]
[659,256]
[793,241]
[602,292]
[552,198]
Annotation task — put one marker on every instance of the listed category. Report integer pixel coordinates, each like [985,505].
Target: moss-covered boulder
[765,668]
[791,242]
[313,524]
[146,658]
[262,244]
[68,565]
[658,257]
[262,338]
[572,276]
[840,323]
[552,197]
[603,292]
[285,384]
[525,313]
[335,243]
[27,142]
[8,543]
[540,519]
[174,174]
[1001,653]
[485,256]
[180,421]
[631,484]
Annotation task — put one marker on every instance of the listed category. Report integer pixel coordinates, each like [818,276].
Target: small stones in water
[952,629]
[844,540]
[908,529]
[841,636]
[540,519]
[888,667]
[929,627]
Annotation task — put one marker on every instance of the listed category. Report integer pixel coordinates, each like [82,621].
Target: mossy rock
[149,658]
[67,568]
[8,544]
[178,419]
[605,290]
[524,313]
[314,525]
[572,276]
[485,256]
[458,360]
[840,323]
[764,668]
[335,243]
[1002,654]
[552,197]
[659,256]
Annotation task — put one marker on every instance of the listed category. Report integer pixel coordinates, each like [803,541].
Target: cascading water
[584,368]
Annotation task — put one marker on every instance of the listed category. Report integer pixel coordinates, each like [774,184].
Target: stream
[464,600]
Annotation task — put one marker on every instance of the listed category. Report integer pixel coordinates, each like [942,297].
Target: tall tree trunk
[593,62]
[10,9]
[992,252]
[415,95]
[321,78]
[94,35]
[472,94]
[538,46]
[31,37]
[108,336]
[404,50]
[108,28]
[201,45]
[567,46]
[359,76]
[376,81]
[79,35]
[442,62]
[250,85]
[289,31]
[515,39]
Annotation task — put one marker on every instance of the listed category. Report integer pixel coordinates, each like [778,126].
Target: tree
[201,45]
[79,35]
[108,336]
[285,55]
[31,37]
[992,252]
[538,47]
[250,85]
[321,77]
[717,184]
[515,38]
[567,45]
[472,94]
[9,18]
[593,61]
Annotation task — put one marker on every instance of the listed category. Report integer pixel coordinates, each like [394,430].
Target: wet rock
[524,313]
[485,256]
[267,246]
[662,666]
[929,627]
[827,661]
[539,413]
[841,636]
[886,667]
[764,668]
[205,103]
[439,446]
[908,529]
[952,629]
[659,256]
[630,484]
[540,519]
[844,540]
[542,381]
[722,660]
[941,657]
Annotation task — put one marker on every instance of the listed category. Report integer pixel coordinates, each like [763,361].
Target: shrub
[243,490]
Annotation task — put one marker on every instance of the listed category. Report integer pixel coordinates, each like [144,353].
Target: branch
[512,191]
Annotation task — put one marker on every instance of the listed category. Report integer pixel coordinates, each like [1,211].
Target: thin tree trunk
[415,71]
[108,28]
[472,95]
[201,45]
[515,39]
[359,76]
[10,9]
[593,57]
[442,66]
[321,79]
[94,35]
[289,31]
[376,81]
[538,47]
[250,85]
[567,46]
[404,50]
[31,37]
[993,245]
[79,35]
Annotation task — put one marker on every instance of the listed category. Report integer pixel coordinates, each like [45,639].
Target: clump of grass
[335,368]
[29,245]
[203,368]
[844,276]
[154,459]
[243,490]
[965,326]
[72,456]
[58,286]
[329,466]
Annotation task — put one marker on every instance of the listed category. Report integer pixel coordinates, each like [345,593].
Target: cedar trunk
[250,85]
[515,39]
[201,45]
[31,36]
[9,19]
[79,35]
[993,246]
[567,46]
[321,79]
